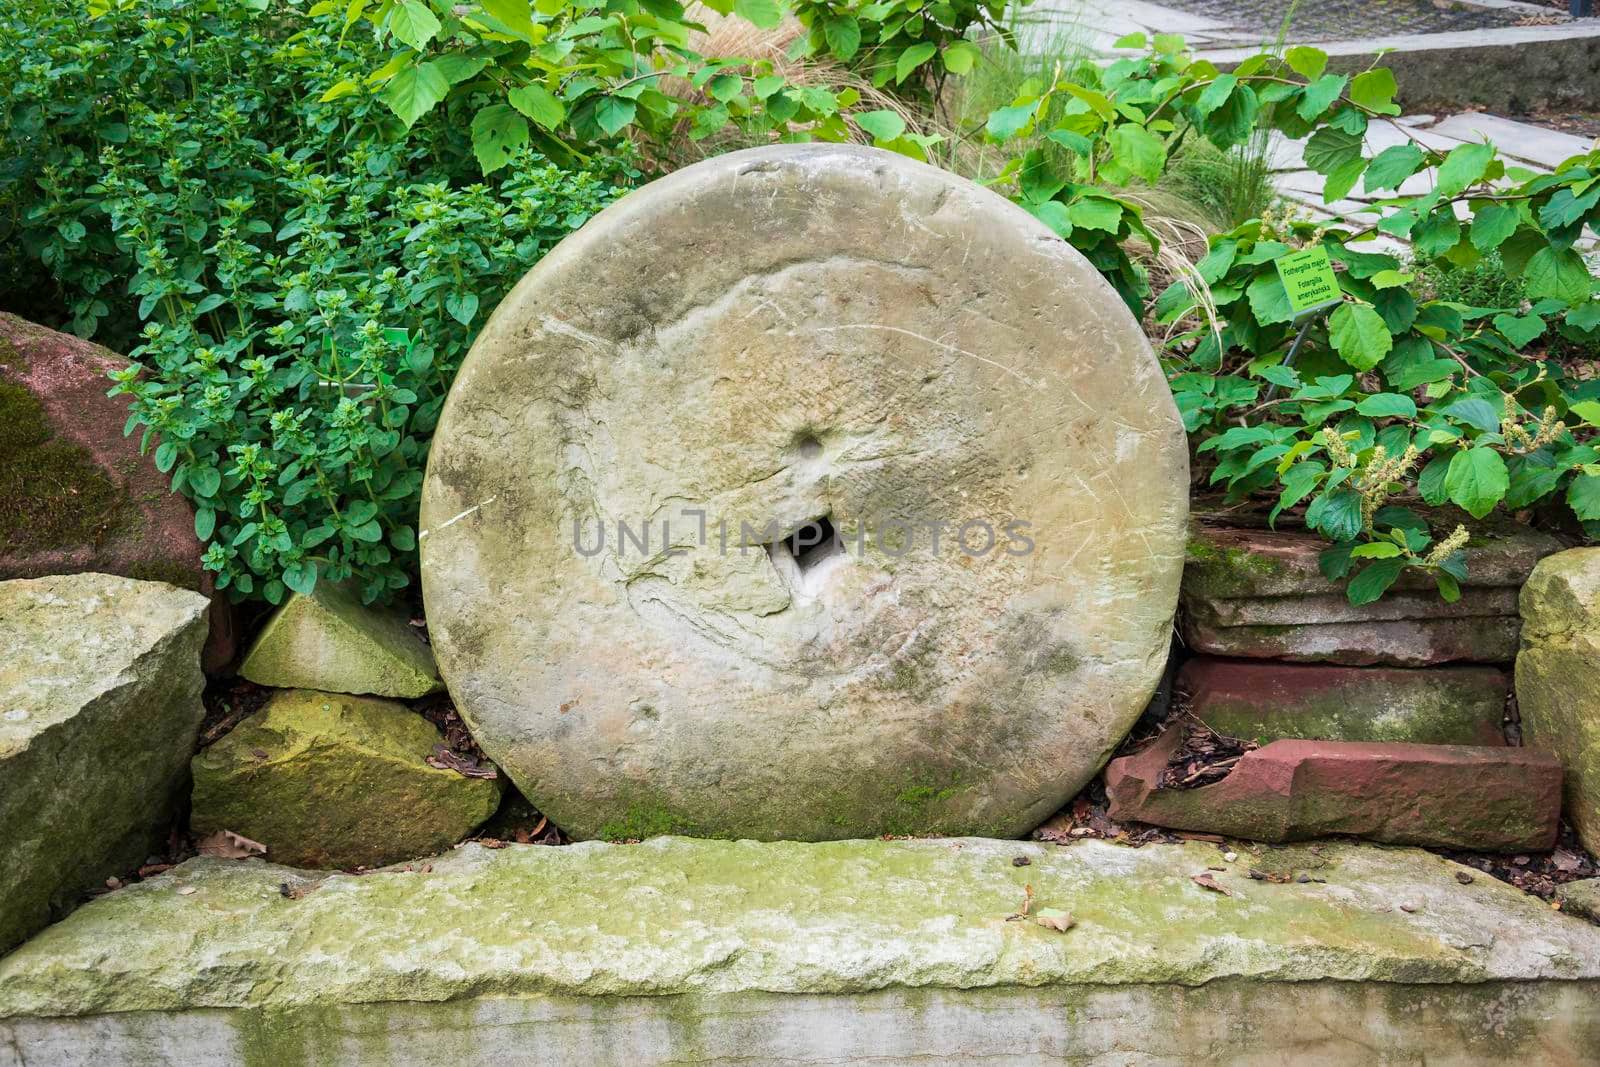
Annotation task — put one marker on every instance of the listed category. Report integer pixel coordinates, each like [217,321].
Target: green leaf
[1588,411]
[1337,514]
[414,91]
[1475,411]
[1558,273]
[1392,166]
[1269,301]
[205,521]
[614,112]
[1360,336]
[1491,225]
[205,481]
[1141,151]
[1216,94]
[912,58]
[1374,90]
[1583,495]
[1054,214]
[1320,95]
[1387,405]
[959,57]
[1519,331]
[1437,234]
[457,68]
[1463,167]
[1330,148]
[1449,588]
[883,125]
[1374,580]
[1376,550]
[1477,480]
[1430,483]
[539,104]
[843,34]
[301,577]
[1307,62]
[414,24]
[725,87]
[765,14]
[514,15]
[499,132]
[1006,122]
[462,307]
[1093,213]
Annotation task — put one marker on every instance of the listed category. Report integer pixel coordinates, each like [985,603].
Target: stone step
[889,952]
[1260,594]
[1264,701]
[1446,796]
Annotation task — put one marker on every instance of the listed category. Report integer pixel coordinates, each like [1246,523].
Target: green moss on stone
[52,494]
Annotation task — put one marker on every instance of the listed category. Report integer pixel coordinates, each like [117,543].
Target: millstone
[809,492]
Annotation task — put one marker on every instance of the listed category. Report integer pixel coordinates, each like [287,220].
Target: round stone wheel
[810,492]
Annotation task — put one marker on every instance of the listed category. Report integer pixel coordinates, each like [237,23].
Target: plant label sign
[1308,278]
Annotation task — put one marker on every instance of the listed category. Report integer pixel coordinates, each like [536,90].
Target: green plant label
[1308,278]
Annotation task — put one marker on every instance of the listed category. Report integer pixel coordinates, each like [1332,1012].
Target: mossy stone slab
[672,939]
[330,780]
[1558,677]
[332,642]
[99,706]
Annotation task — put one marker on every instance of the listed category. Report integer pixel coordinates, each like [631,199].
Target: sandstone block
[99,706]
[332,642]
[1558,677]
[1445,796]
[1261,700]
[336,781]
[1260,594]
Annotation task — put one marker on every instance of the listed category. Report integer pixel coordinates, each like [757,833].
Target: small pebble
[1230,856]
[184,891]
[16,715]
[1020,861]
[1463,877]
[1408,906]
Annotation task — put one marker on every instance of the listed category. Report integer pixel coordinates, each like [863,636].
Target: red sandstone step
[1261,700]
[1445,796]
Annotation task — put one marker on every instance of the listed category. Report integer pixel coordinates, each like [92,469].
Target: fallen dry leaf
[466,766]
[225,844]
[1054,919]
[1205,881]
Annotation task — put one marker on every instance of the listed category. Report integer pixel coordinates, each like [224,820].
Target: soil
[1581,123]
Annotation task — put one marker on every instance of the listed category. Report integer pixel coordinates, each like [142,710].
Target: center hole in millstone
[812,543]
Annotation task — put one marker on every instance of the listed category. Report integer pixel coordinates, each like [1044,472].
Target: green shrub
[298,282]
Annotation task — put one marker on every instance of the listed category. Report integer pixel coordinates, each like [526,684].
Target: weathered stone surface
[336,781]
[99,706]
[1447,796]
[75,495]
[332,642]
[674,950]
[1264,701]
[763,340]
[1260,594]
[1581,898]
[1558,677]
